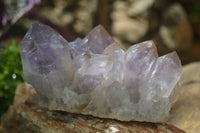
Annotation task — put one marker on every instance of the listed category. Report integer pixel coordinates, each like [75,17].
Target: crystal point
[94,76]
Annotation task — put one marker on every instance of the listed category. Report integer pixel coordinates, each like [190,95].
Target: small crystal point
[139,63]
[94,76]
[161,79]
[157,91]
[42,68]
[99,39]
[96,41]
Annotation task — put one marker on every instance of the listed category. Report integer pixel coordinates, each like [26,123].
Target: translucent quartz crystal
[94,76]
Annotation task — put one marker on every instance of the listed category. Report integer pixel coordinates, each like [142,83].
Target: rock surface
[185,113]
[95,76]
[25,115]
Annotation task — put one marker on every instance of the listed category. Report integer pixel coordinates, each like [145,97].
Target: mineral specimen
[94,76]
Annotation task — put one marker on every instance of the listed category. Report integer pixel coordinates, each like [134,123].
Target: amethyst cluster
[94,76]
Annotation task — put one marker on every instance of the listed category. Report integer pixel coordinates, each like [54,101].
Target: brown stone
[185,113]
[25,115]
[126,27]
[176,31]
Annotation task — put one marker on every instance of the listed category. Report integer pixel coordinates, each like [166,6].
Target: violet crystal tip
[94,76]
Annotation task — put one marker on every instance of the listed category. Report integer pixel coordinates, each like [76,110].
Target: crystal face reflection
[95,76]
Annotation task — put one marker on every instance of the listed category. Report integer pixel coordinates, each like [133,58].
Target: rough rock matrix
[95,76]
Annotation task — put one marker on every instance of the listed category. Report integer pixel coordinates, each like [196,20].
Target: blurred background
[172,24]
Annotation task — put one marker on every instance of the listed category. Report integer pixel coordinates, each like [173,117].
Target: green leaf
[10,63]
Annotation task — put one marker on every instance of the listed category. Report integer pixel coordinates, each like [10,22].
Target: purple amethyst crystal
[95,76]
